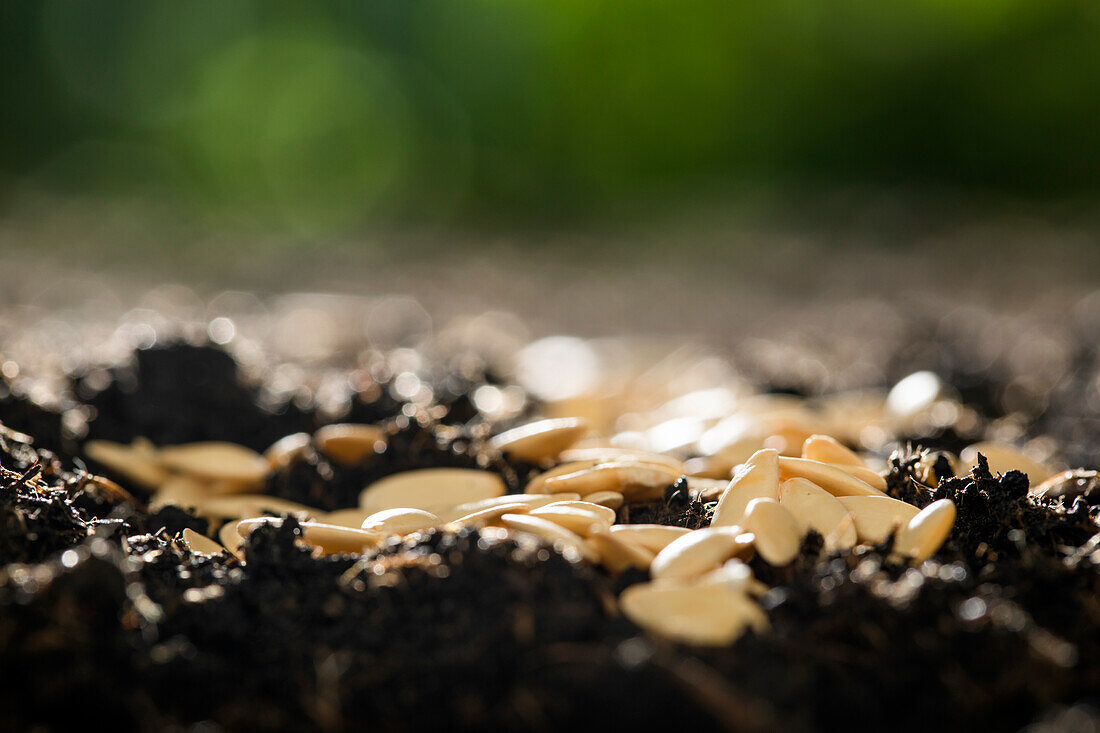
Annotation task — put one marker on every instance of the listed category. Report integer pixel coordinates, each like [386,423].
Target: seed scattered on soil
[541,440]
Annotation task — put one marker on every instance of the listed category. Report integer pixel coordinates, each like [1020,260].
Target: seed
[635,481]
[831,478]
[757,478]
[615,454]
[826,449]
[137,462]
[531,501]
[537,484]
[231,538]
[541,440]
[286,450]
[348,444]
[616,555]
[329,538]
[431,488]
[866,475]
[778,539]
[346,517]
[1067,484]
[610,499]
[815,508]
[697,552]
[239,506]
[400,521]
[653,537]
[550,533]
[602,513]
[1003,458]
[242,468]
[581,521]
[490,515]
[927,531]
[710,615]
[734,574]
[179,491]
[877,516]
[707,489]
[200,544]
[926,467]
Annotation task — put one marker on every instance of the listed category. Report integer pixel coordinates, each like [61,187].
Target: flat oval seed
[653,537]
[431,488]
[758,478]
[615,454]
[734,574]
[328,537]
[239,506]
[537,484]
[826,449]
[401,521]
[866,475]
[699,551]
[610,499]
[531,501]
[200,544]
[180,491]
[778,538]
[346,517]
[136,462]
[541,440]
[605,515]
[581,521]
[349,444]
[215,461]
[815,508]
[831,478]
[489,515]
[927,531]
[707,489]
[876,516]
[616,555]
[550,533]
[1003,458]
[709,614]
[286,450]
[231,538]
[635,481]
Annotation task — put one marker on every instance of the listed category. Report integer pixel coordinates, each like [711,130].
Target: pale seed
[616,555]
[531,501]
[430,488]
[346,517]
[537,484]
[200,544]
[927,531]
[814,508]
[711,614]
[635,481]
[489,515]
[758,477]
[349,444]
[602,513]
[610,499]
[400,521]
[581,521]
[653,537]
[179,491]
[137,462]
[831,478]
[286,450]
[735,575]
[699,551]
[707,489]
[541,440]
[551,533]
[231,538]
[214,461]
[1003,458]
[614,454]
[877,516]
[827,449]
[778,538]
[328,537]
[866,475]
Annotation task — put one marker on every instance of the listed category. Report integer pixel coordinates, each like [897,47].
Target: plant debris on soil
[106,616]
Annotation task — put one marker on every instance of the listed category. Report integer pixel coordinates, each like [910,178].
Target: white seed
[735,575]
[653,537]
[827,449]
[551,533]
[699,551]
[602,513]
[431,488]
[877,516]
[237,466]
[616,555]
[707,489]
[815,508]
[240,506]
[349,444]
[328,537]
[231,538]
[537,484]
[914,393]
[610,499]
[286,450]
[831,478]
[200,544]
[488,515]
[615,454]
[400,521]
[180,491]
[1003,458]
[575,520]
[778,538]
[927,531]
[866,475]
[531,501]
[635,481]
[757,478]
[137,462]
[710,614]
[540,440]
[346,517]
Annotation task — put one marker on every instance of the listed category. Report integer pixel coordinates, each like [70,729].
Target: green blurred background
[327,117]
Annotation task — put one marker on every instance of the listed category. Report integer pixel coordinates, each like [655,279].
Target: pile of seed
[721,558]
